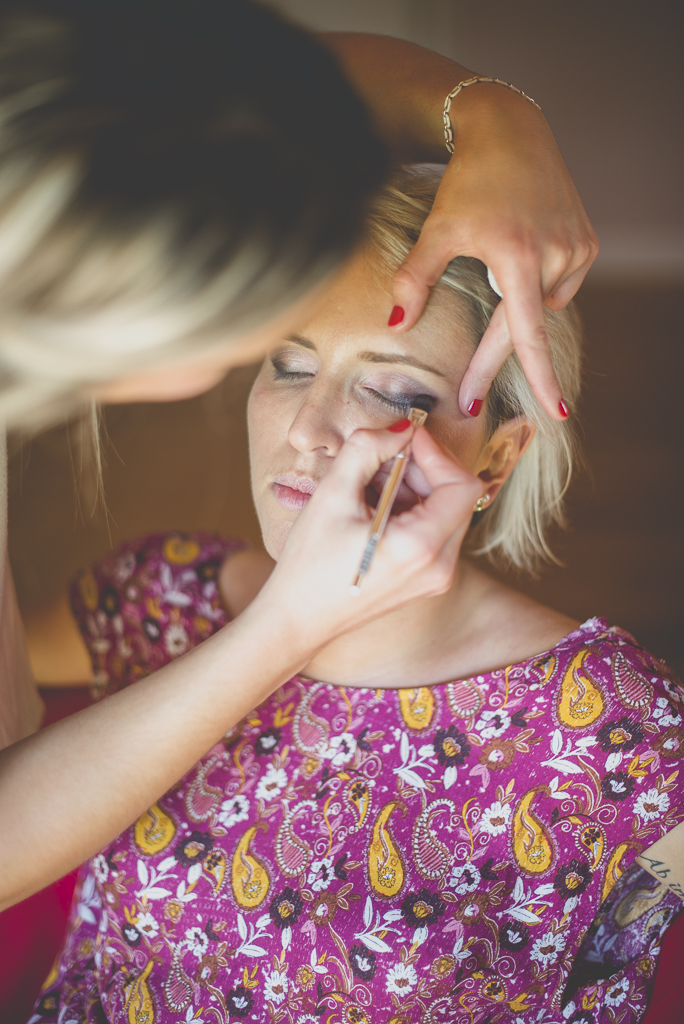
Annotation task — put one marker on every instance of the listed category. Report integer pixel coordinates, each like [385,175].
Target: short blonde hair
[513,530]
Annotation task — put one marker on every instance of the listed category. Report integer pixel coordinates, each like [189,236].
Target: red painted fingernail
[475,406]
[396,316]
[563,409]
[400,426]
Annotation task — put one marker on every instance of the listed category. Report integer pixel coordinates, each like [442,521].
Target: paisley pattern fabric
[435,854]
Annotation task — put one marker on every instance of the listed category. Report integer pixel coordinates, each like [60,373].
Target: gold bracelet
[448,130]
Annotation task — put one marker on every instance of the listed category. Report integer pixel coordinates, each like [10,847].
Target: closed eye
[404,403]
[281,373]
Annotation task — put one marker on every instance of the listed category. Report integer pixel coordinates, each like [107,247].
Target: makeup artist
[178,181]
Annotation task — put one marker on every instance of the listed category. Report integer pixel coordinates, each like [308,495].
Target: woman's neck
[477,626]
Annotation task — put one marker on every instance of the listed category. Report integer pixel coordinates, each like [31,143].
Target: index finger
[523,303]
[437,245]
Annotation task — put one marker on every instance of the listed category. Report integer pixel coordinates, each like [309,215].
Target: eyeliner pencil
[387,498]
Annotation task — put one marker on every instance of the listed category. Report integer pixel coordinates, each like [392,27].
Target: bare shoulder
[56,649]
[241,578]
[516,627]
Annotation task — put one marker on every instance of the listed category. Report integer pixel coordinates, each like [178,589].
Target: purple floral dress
[461,853]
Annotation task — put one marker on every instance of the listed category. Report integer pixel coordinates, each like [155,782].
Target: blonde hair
[169,179]
[513,530]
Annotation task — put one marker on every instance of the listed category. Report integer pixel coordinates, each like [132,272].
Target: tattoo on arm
[660,870]
[658,866]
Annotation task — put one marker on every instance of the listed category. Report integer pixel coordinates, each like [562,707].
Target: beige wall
[608,75]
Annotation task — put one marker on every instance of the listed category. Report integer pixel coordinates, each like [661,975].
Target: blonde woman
[438,817]
[177,182]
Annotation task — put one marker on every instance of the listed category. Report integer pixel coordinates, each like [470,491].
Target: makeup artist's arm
[86,778]
[506,198]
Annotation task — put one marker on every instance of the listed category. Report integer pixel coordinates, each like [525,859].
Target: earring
[481,503]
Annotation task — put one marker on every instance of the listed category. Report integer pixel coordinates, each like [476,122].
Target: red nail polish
[563,409]
[400,426]
[396,316]
[475,406]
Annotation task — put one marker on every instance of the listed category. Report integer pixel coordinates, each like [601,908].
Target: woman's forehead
[355,311]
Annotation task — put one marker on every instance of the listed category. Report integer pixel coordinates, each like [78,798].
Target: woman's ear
[503,451]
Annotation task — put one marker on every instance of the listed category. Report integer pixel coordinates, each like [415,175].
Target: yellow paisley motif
[88,589]
[592,840]
[139,999]
[637,903]
[417,707]
[250,878]
[358,794]
[180,551]
[580,701]
[614,868]
[547,666]
[154,830]
[386,870]
[532,845]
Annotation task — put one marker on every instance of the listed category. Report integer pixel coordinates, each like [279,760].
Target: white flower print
[321,874]
[492,724]
[197,942]
[401,979]
[548,948]
[663,712]
[617,993]
[147,925]
[234,810]
[175,640]
[464,878]
[100,868]
[494,819]
[340,750]
[651,805]
[275,986]
[271,784]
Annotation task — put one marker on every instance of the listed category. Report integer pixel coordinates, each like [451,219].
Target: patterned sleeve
[641,742]
[149,602]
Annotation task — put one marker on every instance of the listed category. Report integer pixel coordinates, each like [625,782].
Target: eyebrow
[375,357]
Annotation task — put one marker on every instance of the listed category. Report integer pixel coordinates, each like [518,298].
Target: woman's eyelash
[402,403]
[282,374]
[399,403]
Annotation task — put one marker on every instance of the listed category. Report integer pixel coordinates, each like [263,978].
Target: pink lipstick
[291,491]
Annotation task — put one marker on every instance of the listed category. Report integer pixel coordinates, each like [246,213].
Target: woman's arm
[86,778]
[506,198]
[665,860]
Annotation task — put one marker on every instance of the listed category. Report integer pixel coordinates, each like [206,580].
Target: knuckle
[536,339]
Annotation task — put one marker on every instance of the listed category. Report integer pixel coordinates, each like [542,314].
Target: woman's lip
[292,492]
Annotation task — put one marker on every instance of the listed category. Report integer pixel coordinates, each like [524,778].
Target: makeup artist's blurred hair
[513,530]
[172,174]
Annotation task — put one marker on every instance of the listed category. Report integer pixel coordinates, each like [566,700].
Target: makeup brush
[389,493]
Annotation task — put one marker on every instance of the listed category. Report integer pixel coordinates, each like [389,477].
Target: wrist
[490,109]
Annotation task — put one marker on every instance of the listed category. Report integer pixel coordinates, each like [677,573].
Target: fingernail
[563,409]
[396,316]
[400,426]
[475,406]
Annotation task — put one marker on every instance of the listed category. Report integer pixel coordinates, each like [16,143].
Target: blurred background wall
[607,75]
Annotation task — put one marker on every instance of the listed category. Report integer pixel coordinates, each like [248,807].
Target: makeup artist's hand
[415,558]
[508,199]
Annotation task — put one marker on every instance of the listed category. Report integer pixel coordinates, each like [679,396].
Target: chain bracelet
[448,129]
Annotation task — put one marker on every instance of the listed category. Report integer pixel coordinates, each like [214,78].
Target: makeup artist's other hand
[508,199]
[415,558]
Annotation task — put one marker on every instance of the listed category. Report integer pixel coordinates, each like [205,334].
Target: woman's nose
[317,426]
